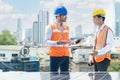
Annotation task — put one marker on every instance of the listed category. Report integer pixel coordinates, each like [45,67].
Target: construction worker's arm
[48,34]
[48,41]
[107,48]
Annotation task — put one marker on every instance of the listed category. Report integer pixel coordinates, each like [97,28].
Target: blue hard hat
[60,10]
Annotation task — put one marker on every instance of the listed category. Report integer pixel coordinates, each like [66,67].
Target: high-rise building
[28,34]
[35,32]
[19,31]
[117,18]
[117,28]
[43,20]
[78,31]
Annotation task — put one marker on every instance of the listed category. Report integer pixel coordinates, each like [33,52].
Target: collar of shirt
[99,29]
[60,26]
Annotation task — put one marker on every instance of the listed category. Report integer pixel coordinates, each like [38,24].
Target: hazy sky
[79,12]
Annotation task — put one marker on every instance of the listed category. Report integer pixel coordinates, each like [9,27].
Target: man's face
[63,18]
[96,20]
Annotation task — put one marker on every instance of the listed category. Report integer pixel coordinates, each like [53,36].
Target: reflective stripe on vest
[100,42]
[59,35]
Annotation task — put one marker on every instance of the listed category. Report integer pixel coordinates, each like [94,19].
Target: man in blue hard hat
[57,36]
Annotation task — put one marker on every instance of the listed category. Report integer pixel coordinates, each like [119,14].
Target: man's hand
[90,61]
[93,53]
[70,43]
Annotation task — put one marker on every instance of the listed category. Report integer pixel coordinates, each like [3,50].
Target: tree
[6,38]
[114,66]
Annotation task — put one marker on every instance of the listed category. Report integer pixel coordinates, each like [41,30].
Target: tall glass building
[117,18]
[35,32]
[43,20]
[19,31]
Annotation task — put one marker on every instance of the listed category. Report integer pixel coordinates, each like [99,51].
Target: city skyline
[79,12]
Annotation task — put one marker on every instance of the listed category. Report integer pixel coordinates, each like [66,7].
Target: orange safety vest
[58,35]
[100,42]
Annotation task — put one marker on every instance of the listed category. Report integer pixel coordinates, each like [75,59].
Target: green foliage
[114,66]
[6,38]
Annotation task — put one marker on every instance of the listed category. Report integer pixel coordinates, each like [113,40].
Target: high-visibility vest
[57,34]
[100,42]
